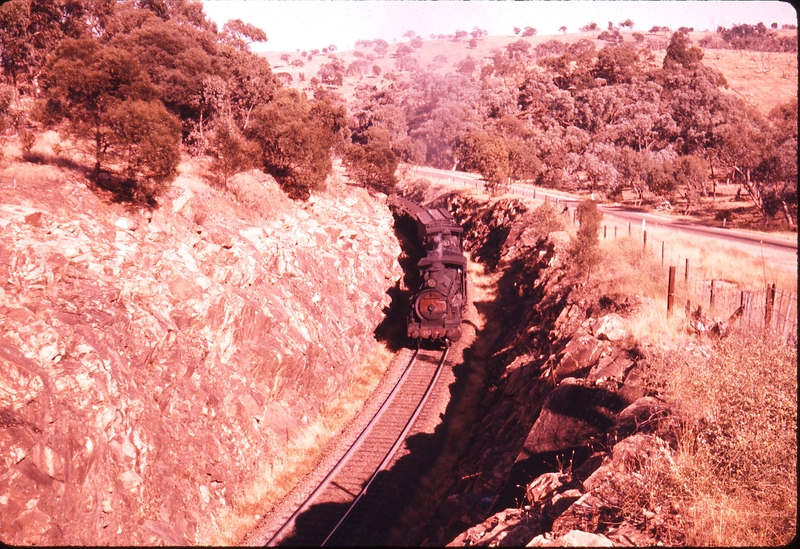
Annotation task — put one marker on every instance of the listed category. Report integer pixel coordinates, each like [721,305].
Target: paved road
[782,247]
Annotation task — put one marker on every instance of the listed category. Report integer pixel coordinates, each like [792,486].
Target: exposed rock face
[153,364]
[565,386]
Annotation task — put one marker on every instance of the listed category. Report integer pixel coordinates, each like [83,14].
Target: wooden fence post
[713,292]
[768,306]
[686,272]
[662,253]
[788,311]
[670,290]
[644,241]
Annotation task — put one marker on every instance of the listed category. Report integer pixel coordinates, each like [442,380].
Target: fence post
[662,253]
[788,310]
[769,304]
[670,290]
[713,292]
[644,241]
[615,232]
[629,228]
[686,272]
[534,193]
[604,232]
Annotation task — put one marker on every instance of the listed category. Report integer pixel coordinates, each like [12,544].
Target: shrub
[585,245]
[372,165]
[230,152]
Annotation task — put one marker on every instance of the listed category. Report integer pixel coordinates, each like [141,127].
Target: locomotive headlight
[431,283]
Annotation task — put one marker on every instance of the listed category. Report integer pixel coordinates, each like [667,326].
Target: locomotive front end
[437,308]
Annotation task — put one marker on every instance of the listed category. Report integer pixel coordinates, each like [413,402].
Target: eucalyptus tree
[101,95]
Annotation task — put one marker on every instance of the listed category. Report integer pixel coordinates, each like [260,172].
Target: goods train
[438,305]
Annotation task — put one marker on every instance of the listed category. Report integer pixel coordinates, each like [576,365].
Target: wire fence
[769,311]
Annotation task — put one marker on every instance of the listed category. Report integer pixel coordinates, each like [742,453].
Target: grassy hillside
[762,79]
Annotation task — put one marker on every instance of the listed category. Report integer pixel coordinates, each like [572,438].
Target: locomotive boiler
[439,303]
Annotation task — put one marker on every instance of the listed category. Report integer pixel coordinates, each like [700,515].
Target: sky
[293,25]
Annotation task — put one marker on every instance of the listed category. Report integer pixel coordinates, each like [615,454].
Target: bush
[545,220]
[295,148]
[145,137]
[585,245]
[230,152]
[372,166]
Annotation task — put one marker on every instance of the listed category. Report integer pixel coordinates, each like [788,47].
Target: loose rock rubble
[154,363]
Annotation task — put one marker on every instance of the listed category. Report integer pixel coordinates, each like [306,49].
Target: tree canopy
[102,95]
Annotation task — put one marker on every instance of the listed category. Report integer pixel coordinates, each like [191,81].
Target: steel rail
[344,459]
[400,439]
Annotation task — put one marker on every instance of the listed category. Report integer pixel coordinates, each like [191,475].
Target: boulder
[572,415]
[613,367]
[573,538]
[640,417]
[610,327]
[580,354]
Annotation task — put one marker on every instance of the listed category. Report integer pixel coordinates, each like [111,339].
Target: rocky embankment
[570,427]
[154,363]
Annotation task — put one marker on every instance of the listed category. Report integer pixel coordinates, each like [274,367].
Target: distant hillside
[763,80]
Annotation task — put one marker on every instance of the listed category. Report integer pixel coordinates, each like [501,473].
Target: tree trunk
[787,214]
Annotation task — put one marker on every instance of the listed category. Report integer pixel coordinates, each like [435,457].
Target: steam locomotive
[438,305]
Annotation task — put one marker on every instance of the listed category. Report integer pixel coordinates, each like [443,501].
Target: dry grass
[275,476]
[734,476]
[737,446]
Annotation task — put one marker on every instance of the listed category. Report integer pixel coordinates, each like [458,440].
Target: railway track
[325,511]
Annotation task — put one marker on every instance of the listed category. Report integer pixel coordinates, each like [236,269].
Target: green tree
[31,29]
[230,152]
[523,162]
[661,179]
[680,53]
[249,82]
[240,34]
[584,248]
[615,64]
[88,87]
[691,174]
[466,66]
[295,149]
[372,165]
[176,58]
[487,154]
[332,73]
[145,141]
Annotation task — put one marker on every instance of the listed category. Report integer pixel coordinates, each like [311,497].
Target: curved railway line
[323,514]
